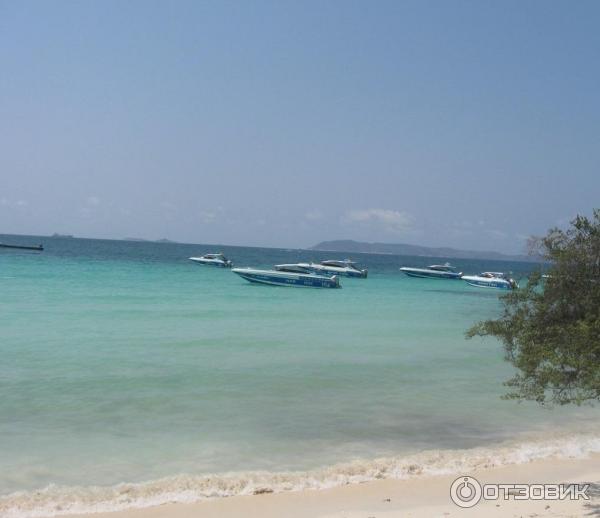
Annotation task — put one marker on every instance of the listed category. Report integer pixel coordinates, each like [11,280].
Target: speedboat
[213,260]
[346,268]
[497,280]
[287,278]
[37,248]
[435,271]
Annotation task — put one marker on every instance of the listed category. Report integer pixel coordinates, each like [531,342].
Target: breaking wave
[61,500]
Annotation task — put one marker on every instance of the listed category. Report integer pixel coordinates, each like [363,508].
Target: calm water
[125,362]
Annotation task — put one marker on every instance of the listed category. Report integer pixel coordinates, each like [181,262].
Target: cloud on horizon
[392,221]
[313,215]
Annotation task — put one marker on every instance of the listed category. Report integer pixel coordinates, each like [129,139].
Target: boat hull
[208,262]
[35,248]
[430,274]
[497,284]
[278,278]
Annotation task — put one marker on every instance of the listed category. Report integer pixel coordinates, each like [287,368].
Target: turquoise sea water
[125,362]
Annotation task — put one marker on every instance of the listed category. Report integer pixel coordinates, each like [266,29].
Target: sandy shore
[417,497]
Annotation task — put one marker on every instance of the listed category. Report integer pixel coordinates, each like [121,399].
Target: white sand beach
[417,498]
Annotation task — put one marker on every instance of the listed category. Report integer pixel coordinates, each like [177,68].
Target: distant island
[64,236]
[141,239]
[350,246]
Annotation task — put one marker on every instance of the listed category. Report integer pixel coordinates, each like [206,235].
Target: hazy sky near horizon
[466,124]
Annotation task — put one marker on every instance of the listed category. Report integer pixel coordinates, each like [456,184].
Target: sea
[131,376]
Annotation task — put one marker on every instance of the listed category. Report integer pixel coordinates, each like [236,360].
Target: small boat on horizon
[287,278]
[37,248]
[496,280]
[435,271]
[213,260]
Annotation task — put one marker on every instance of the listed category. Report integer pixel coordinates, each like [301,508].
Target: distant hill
[347,245]
[140,239]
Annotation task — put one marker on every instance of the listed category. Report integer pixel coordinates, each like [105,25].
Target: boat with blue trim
[213,260]
[435,271]
[287,278]
[496,280]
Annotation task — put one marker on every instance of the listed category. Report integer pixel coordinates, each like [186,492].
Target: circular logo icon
[465,491]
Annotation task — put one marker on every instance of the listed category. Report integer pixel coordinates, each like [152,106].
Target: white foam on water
[58,500]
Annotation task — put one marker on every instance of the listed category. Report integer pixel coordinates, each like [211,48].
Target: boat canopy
[346,263]
[442,267]
[297,268]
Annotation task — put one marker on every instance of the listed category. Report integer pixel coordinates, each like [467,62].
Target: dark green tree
[550,328]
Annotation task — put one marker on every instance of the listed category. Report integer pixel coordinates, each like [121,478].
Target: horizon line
[311,248]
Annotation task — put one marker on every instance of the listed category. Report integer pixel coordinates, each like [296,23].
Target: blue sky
[467,124]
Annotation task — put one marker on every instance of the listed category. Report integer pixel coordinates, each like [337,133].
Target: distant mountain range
[347,245]
[141,239]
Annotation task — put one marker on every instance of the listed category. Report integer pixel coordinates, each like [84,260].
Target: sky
[470,124]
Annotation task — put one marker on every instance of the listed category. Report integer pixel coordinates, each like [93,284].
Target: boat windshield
[441,267]
[296,268]
[341,264]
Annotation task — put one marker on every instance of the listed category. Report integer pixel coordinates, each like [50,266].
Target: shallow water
[125,362]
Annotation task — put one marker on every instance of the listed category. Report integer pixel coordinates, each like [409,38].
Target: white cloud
[167,205]
[390,220]
[206,216]
[18,204]
[85,212]
[93,200]
[496,234]
[313,215]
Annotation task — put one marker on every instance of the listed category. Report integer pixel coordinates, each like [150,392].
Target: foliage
[550,328]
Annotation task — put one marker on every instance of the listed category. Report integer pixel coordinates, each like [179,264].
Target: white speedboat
[497,280]
[346,268]
[213,260]
[287,278]
[435,271]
